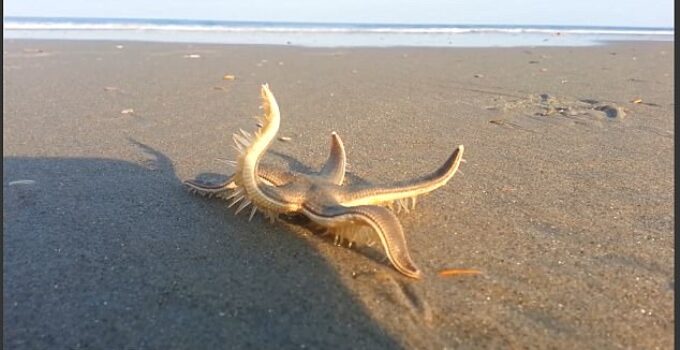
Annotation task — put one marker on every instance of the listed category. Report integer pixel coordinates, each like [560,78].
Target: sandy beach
[565,203]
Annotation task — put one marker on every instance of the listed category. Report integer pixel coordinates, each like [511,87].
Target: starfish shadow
[108,253]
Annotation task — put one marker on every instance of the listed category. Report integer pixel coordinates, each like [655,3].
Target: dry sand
[565,204]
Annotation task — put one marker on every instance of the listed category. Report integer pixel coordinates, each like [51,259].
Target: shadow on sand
[102,253]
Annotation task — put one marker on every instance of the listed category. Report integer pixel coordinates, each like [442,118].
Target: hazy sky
[631,13]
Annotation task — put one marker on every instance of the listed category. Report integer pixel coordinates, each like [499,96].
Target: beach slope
[565,204]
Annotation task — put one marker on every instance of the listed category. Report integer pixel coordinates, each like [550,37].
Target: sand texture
[565,203]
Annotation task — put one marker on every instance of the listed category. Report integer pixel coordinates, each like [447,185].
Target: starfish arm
[334,169]
[274,176]
[269,174]
[251,150]
[406,189]
[210,189]
[383,222]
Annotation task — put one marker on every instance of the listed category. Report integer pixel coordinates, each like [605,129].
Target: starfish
[321,197]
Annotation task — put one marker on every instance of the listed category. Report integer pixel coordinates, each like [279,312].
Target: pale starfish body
[321,197]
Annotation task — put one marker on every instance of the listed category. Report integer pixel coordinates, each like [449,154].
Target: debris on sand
[21,182]
[458,272]
[611,110]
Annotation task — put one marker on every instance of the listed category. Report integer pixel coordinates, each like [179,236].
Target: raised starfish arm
[383,222]
[334,169]
[405,189]
[251,149]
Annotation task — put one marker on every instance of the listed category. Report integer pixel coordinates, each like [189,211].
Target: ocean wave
[319,29]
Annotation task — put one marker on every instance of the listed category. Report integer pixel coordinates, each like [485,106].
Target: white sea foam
[318,28]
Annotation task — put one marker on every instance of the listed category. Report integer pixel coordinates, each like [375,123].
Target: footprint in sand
[532,113]
[609,110]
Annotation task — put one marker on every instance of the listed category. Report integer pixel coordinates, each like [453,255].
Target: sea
[323,34]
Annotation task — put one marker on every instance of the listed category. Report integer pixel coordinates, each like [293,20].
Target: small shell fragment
[127,111]
[228,77]
[21,182]
[284,138]
[458,272]
[637,101]
[192,56]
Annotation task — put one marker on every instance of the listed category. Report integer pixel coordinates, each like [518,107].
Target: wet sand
[565,202]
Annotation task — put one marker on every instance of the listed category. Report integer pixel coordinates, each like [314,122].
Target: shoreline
[593,44]
[340,39]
